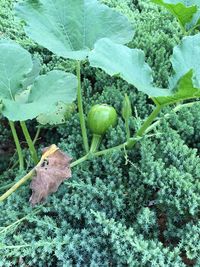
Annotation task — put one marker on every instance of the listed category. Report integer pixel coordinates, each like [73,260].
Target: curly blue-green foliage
[186,123]
[189,236]
[172,169]
[136,250]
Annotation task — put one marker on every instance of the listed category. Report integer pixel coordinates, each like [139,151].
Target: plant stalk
[80,109]
[29,142]
[96,140]
[127,129]
[145,125]
[18,146]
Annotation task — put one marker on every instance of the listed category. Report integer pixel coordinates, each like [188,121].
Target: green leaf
[41,97]
[185,90]
[1,106]
[185,84]
[33,74]
[71,28]
[186,56]
[15,64]
[62,113]
[183,10]
[129,64]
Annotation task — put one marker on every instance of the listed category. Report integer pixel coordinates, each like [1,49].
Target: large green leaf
[70,28]
[41,97]
[129,64]
[185,60]
[185,11]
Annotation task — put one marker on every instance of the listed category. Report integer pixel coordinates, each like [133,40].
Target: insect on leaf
[54,170]
[71,28]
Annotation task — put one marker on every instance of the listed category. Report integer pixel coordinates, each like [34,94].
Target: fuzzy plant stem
[144,126]
[18,146]
[96,140]
[127,128]
[29,142]
[80,109]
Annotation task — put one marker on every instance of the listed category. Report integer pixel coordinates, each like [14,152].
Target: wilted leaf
[54,170]
[70,28]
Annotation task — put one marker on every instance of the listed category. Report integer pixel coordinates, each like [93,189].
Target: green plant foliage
[127,231]
[187,13]
[87,21]
[43,95]
[109,211]
[113,58]
[186,124]
[183,10]
[137,250]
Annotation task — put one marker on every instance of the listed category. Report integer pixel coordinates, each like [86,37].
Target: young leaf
[129,64]
[183,10]
[126,108]
[49,176]
[41,97]
[71,28]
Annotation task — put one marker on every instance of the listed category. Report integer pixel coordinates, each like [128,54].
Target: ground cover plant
[133,198]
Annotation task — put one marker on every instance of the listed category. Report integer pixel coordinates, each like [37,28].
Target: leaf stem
[37,135]
[145,125]
[80,109]
[18,146]
[127,128]
[29,142]
[176,109]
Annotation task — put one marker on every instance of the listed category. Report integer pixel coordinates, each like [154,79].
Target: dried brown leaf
[53,171]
